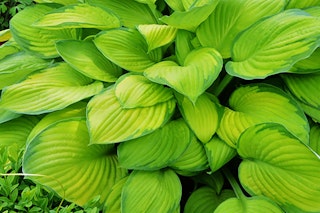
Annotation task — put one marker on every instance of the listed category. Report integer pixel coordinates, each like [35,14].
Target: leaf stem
[223,84]
[234,184]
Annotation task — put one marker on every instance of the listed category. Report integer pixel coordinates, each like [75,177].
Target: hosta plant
[167,106]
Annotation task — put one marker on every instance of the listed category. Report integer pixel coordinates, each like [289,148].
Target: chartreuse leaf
[260,103]
[292,35]
[87,59]
[137,91]
[158,149]
[108,122]
[206,200]
[113,202]
[192,16]
[219,153]
[175,5]
[66,164]
[308,65]
[131,13]
[17,66]
[278,165]
[8,48]
[201,67]
[157,35]
[302,4]
[315,138]
[64,2]
[6,115]
[183,45]
[52,89]
[203,116]
[127,48]
[38,40]
[79,15]
[192,161]
[5,35]
[230,18]
[149,191]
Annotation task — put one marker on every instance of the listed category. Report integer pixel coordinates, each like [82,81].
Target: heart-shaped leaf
[17,66]
[230,18]
[38,40]
[156,150]
[108,122]
[203,117]
[277,165]
[127,48]
[137,91]
[147,191]
[87,59]
[302,4]
[66,164]
[292,35]
[260,103]
[201,67]
[315,138]
[49,90]
[79,15]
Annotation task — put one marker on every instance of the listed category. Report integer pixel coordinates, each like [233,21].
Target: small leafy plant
[167,106]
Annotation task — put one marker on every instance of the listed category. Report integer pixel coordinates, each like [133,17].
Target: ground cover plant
[166,106]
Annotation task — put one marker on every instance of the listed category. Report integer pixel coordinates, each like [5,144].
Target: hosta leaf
[87,59]
[64,2]
[214,180]
[277,165]
[175,5]
[248,205]
[219,153]
[108,122]
[137,91]
[149,191]
[17,66]
[157,35]
[127,48]
[192,161]
[113,202]
[156,150]
[201,67]
[192,17]
[38,40]
[79,16]
[302,4]
[61,159]
[16,131]
[292,35]
[203,117]
[5,35]
[8,48]
[308,65]
[130,13]
[311,111]
[183,45]
[6,115]
[260,103]
[52,89]
[206,200]
[230,18]
[314,11]
[315,138]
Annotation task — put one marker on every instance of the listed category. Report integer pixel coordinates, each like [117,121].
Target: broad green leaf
[219,153]
[292,35]
[15,67]
[60,158]
[108,122]
[248,205]
[38,40]
[308,65]
[230,18]
[137,91]
[191,18]
[302,4]
[79,16]
[192,161]
[6,115]
[206,200]
[315,138]
[183,45]
[157,35]
[158,149]
[64,2]
[147,191]
[87,59]
[279,166]
[201,67]
[261,103]
[203,116]
[131,13]
[113,202]
[49,90]
[127,48]
[8,48]
[16,131]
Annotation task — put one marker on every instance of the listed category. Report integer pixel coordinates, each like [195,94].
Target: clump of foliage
[167,106]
